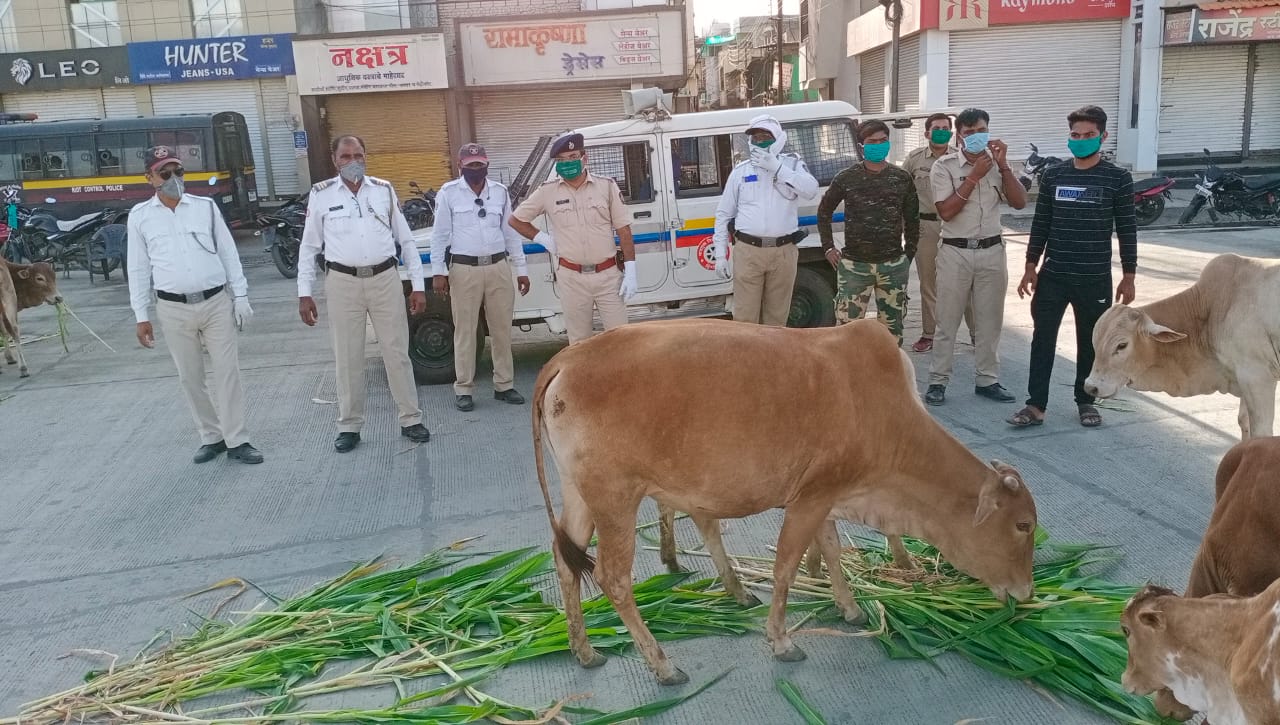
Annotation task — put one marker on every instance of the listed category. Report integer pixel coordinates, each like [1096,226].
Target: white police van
[671,170]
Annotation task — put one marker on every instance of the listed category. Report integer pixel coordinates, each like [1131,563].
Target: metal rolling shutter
[275,109]
[871,80]
[904,141]
[1264,126]
[120,102]
[215,97]
[1202,99]
[1029,98]
[56,105]
[508,123]
[403,131]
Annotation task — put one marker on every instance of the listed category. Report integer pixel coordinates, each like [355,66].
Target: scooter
[1227,192]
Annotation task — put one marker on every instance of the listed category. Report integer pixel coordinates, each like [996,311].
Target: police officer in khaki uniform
[919,163]
[584,211]
[356,220]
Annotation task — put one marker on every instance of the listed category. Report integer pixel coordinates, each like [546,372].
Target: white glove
[243,311]
[546,241]
[628,289]
[764,160]
[723,267]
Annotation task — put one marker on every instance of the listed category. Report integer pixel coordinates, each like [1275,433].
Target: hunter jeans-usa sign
[211,59]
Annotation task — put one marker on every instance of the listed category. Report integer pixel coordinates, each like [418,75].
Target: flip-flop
[1024,419]
[1089,416]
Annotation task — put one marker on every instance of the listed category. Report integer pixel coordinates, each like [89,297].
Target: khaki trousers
[471,287]
[581,293]
[349,300]
[763,278]
[210,323]
[927,270]
[970,276]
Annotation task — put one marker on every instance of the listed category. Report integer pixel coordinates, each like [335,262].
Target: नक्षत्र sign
[211,59]
[370,64]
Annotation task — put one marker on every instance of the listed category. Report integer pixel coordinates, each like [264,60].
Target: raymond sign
[979,14]
[370,64]
[1222,26]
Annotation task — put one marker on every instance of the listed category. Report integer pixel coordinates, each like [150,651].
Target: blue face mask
[977,143]
[875,152]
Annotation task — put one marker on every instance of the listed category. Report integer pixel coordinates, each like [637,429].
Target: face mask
[763,144]
[940,136]
[172,187]
[875,152]
[475,176]
[1083,148]
[977,143]
[353,171]
[569,170]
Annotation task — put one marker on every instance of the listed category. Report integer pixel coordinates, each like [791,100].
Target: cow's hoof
[794,654]
[673,567]
[24,374]
[596,660]
[748,600]
[677,677]
[854,615]
[11,362]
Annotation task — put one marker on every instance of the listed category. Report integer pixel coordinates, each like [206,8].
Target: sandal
[1025,418]
[1089,416]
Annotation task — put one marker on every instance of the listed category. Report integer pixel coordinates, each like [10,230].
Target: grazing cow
[846,437]
[23,286]
[1218,336]
[1237,555]
[1219,654]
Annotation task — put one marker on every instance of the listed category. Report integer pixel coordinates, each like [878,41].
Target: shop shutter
[120,102]
[56,105]
[871,83]
[1202,99]
[1029,77]
[215,97]
[509,123]
[905,140]
[1264,123]
[279,132]
[403,131]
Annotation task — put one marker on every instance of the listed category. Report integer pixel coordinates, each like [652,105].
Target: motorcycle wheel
[286,260]
[1196,205]
[1149,210]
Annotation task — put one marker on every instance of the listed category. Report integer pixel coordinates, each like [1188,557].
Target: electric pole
[781,93]
[893,9]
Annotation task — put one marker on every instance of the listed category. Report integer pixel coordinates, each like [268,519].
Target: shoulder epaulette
[323,185]
[376,181]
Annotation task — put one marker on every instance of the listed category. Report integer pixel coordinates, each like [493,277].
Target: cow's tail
[575,557]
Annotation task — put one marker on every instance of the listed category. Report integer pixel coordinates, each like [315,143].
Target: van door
[631,164]
[700,165]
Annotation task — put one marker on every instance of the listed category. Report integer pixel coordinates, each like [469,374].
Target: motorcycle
[1227,192]
[282,229]
[1035,166]
[420,209]
[1148,195]
[68,243]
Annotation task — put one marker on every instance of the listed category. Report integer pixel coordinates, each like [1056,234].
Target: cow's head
[1145,626]
[997,546]
[37,284]
[1126,341]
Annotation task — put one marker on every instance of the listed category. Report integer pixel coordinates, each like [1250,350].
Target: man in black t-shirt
[1080,203]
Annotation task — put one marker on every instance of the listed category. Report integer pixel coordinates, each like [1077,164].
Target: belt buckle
[971,243]
[194,297]
[484,260]
[364,272]
[588,268]
[768,242]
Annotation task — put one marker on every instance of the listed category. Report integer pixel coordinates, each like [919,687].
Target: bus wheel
[813,299]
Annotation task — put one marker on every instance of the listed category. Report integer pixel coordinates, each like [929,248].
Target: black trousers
[1088,300]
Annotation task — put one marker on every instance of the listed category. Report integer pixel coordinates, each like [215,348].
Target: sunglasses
[482,213]
[165,174]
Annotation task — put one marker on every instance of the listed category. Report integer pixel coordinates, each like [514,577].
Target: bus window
[81,159]
[9,164]
[188,144]
[53,156]
[107,152]
[133,151]
[29,155]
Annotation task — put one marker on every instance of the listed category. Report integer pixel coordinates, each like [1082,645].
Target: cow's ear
[24,274]
[988,502]
[1153,619]
[1160,333]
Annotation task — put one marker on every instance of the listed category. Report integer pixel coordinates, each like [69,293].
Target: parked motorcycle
[282,230]
[68,243]
[420,209]
[1035,166]
[1148,195]
[1227,192]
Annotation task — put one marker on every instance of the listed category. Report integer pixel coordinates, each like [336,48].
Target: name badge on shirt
[561,201]
[1078,194]
[337,208]
[752,177]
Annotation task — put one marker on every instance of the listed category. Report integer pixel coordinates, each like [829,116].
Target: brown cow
[1237,555]
[721,439]
[23,286]
[1219,654]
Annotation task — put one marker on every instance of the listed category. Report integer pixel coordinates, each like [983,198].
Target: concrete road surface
[105,524]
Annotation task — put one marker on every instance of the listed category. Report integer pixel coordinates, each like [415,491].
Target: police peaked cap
[567,142]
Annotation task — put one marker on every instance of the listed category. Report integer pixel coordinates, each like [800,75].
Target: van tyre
[431,347]
[813,298]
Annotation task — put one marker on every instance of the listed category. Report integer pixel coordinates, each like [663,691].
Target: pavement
[105,525]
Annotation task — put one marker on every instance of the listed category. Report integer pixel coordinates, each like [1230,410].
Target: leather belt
[192,298]
[589,268]
[929,217]
[769,242]
[483,260]
[361,272]
[972,243]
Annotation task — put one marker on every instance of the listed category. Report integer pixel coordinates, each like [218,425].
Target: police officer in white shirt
[356,220]
[473,251]
[180,243]
[762,199]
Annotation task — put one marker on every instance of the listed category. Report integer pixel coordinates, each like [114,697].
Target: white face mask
[353,171]
[172,187]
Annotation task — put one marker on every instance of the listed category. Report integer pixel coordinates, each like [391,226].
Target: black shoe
[936,395]
[346,442]
[416,433]
[245,453]
[209,452]
[509,396]
[996,392]
[464,403]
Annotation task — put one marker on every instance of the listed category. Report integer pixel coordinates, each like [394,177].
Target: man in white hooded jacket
[761,200]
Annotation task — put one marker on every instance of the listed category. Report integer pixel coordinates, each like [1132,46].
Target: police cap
[158,156]
[567,142]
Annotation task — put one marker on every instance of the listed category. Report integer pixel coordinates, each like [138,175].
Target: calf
[1218,336]
[847,437]
[23,286]
[1219,654]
